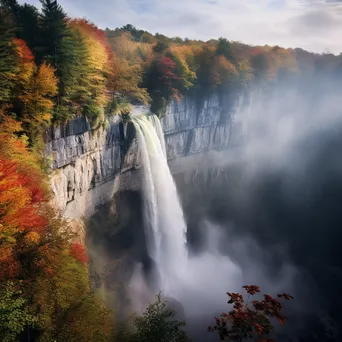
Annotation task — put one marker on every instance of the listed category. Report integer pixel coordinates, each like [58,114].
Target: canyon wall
[86,164]
[90,166]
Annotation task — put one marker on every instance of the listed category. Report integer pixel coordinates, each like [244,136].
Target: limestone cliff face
[86,164]
[192,128]
[90,166]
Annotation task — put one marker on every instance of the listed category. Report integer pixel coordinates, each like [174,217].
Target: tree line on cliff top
[54,68]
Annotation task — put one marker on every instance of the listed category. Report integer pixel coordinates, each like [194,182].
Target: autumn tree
[125,82]
[162,83]
[38,253]
[250,319]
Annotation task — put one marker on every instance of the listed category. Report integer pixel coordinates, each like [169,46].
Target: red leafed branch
[250,319]
[78,251]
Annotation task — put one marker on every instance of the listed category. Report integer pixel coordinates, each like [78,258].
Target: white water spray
[199,282]
[163,215]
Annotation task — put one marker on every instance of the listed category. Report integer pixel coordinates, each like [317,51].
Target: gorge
[233,187]
[133,163]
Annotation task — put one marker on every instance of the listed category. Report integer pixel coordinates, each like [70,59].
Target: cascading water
[188,280]
[163,215]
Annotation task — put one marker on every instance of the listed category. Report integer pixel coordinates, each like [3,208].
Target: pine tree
[7,57]
[27,24]
[64,49]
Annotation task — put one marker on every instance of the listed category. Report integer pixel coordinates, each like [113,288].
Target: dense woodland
[54,68]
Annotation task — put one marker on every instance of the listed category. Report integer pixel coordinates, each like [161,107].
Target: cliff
[90,166]
[86,164]
[191,128]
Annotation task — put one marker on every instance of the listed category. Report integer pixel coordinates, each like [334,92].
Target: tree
[250,320]
[158,324]
[126,80]
[8,66]
[162,83]
[207,75]
[14,313]
[96,64]
[161,46]
[65,51]
[224,48]
[26,23]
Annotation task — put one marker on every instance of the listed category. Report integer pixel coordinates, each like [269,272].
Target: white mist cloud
[315,25]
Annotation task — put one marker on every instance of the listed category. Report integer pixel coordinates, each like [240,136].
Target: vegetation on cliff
[45,294]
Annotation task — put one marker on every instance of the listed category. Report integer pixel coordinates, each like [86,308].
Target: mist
[275,201]
[270,215]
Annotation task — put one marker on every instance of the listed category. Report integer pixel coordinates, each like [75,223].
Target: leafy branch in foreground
[158,324]
[250,319]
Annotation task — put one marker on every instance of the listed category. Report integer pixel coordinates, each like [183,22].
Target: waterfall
[164,221]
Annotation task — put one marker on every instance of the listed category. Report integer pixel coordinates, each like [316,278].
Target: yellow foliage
[98,58]
[32,238]
[226,70]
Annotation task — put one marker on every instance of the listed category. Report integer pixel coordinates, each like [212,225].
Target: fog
[277,202]
[271,216]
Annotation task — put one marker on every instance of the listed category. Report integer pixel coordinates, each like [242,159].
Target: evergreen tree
[30,30]
[27,24]
[7,57]
[64,49]
[224,48]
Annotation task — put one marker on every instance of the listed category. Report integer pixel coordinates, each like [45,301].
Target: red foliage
[20,193]
[78,251]
[25,52]
[166,67]
[247,321]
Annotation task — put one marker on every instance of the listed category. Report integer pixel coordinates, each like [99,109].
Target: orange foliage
[23,51]
[93,31]
[21,193]
[25,62]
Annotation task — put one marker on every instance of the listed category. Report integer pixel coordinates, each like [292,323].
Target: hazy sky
[315,25]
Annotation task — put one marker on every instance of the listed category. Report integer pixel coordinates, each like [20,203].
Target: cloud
[310,24]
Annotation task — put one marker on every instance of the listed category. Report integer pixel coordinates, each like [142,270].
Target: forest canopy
[54,68]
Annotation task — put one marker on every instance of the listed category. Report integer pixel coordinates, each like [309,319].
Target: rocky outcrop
[90,166]
[86,164]
[191,127]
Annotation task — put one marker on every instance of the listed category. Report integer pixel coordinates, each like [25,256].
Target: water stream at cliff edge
[165,229]
[164,221]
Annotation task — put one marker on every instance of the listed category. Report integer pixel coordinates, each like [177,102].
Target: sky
[314,25]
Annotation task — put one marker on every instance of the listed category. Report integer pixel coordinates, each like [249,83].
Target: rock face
[86,164]
[191,128]
[90,166]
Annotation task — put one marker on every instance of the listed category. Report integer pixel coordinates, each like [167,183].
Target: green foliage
[119,105]
[66,51]
[26,22]
[94,112]
[14,313]
[158,324]
[161,46]
[224,48]
[8,65]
